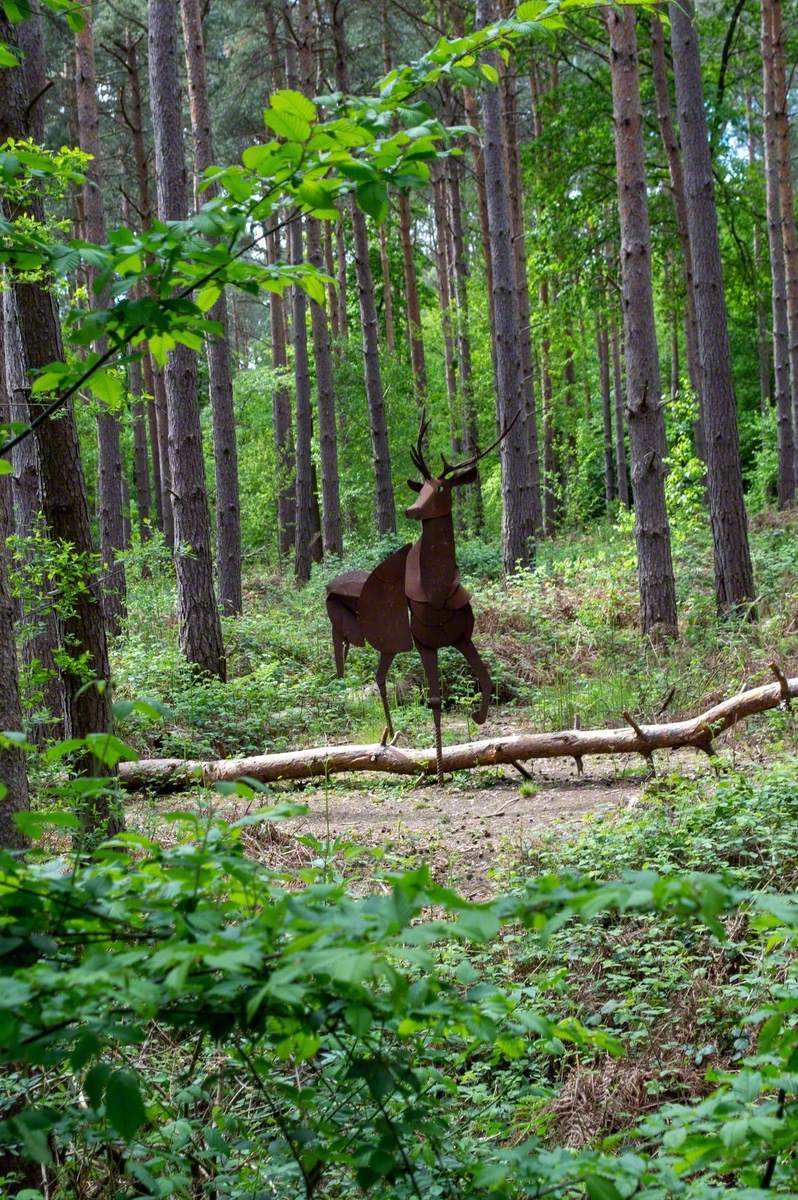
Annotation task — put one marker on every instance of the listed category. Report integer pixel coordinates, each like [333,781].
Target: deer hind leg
[386,659]
[340,648]
[429,657]
[481,675]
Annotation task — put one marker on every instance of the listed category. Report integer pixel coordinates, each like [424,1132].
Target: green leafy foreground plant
[181,1021]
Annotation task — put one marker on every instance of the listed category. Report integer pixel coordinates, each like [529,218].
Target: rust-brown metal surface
[415,595]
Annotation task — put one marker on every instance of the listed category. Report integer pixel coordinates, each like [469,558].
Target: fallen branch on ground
[696,733]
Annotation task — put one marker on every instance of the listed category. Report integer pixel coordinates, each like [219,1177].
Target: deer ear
[468,476]
[414,485]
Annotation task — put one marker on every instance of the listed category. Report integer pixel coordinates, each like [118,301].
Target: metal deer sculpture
[415,595]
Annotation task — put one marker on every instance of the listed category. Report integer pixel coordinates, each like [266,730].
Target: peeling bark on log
[169,774]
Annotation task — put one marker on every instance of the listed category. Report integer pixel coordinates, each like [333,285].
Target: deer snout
[414,511]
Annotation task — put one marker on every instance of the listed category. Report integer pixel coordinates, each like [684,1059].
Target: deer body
[414,596]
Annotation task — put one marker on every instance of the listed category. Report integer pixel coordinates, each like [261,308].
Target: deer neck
[437,561]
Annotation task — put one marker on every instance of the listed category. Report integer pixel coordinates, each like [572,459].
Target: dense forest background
[263,266]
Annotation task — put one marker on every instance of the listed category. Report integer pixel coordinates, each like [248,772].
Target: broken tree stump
[169,774]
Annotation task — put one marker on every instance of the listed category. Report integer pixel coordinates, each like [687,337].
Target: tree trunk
[414,335]
[646,425]
[603,346]
[43,633]
[789,236]
[621,469]
[669,141]
[443,275]
[754,153]
[340,255]
[550,472]
[198,616]
[141,458]
[87,709]
[108,439]
[385,507]
[13,777]
[332,293]
[518,508]
[734,579]
[516,199]
[325,385]
[387,297]
[220,381]
[281,413]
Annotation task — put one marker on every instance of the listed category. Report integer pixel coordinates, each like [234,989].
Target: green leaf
[5,467]
[489,72]
[372,197]
[109,749]
[107,387]
[8,59]
[291,126]
[290,101]
[207,297]
[599,1188]
[124,1106]
[13,992]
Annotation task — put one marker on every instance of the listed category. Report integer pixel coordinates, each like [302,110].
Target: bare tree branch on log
[165,774]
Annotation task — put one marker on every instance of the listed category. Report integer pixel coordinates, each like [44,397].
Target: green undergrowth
[180,1018]
[562,643]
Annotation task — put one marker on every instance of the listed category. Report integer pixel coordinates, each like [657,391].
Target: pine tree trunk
[669,141]
[754,154]
[340,256]
[385,507]
[387,297]
[332,540]
[141,457]
[152,428]
[108,435]
[550,471]
[646,425]
[789,236]
[781,355]
[415,338]
[43,634]
[66,511]
[281,413]
[198,616]
[734,579]
[332,293]
[518,508]
[516,198]
[220,381]
[303,479]
[621,469]
[603,347]
[443,276]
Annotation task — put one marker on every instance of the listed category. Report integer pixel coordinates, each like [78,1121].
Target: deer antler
[470,462]
[417,451]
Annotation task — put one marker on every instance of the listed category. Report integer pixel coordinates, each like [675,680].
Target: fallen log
[167,774]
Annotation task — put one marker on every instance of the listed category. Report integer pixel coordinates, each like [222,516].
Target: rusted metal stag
[415,595]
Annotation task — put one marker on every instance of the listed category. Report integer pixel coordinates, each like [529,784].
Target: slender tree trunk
[781,357]
[220,379]
[460,255]
[550,471]
[325,385]
[646,425]
[332,293]
[387,297]
[603,346]
[789,236]
[141,458]
[340,257]
[621,469]
[281,414]
[516,198]
[734,578]
[108,434]
[198,616]
[671,144]
[385,507]
[518,513]
[43,634]
[754,154]
[414,336]
[87,709]
[443,274]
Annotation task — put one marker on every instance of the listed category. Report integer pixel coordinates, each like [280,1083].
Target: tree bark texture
[141,453]
[109,456]
[415,338]
[518,509]
[198,616]
[621,468]
[220,379]
[734,577]
[646,425]
[603,347]
[281,412]
[694,733]
[755,152]
[778,292]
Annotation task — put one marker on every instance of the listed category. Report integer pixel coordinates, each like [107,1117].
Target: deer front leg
[481,675]
[429,658]
[382,674]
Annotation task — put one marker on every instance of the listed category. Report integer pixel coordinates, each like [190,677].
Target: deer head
[435,492]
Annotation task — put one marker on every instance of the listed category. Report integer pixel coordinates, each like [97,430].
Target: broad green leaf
[290,101]
[207,297]
[291,126]
[372,197]
[490,73]
[124,1107]
[6,468]
[106,385]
